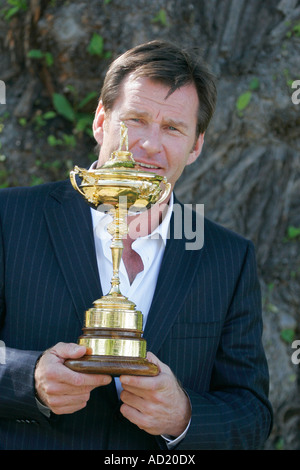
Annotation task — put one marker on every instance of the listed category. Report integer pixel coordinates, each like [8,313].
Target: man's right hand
[58,387]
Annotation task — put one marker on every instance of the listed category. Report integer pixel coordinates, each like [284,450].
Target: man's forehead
[140,85]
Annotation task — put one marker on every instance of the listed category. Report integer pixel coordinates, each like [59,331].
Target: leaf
[293,232]
[243,100]
[49,59]
[160,17]
[49,115]
[87,99]
[287,335]
[296,30]
[53,141]
[96,45]
[35,54]
[254,84]
[63,107]
[84,121]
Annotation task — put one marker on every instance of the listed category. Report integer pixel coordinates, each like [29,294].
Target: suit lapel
[179,267]
[70,228]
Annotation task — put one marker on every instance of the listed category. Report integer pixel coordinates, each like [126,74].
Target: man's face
[161,132]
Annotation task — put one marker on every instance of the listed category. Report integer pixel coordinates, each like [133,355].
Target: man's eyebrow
[169,122]
[136,113]
[176,123]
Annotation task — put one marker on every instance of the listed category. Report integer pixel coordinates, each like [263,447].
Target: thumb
[68,350]
[152,358]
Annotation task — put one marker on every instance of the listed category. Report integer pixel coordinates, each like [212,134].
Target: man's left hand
[158,405]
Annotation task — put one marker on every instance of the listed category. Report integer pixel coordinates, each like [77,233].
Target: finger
[66,404]
[134,401]
[68,350]
[152,358]
[141,420]
[140,386]
[61,389]
[53,369]
[148,383]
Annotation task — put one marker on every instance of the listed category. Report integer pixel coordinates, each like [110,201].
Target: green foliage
[279,444]
[243,101]
[87,99]
[23,122]
[293,232]
[96,46]
[35,180]
[295,31]
[287,335]
[288,79]
[4,182]
[82,121]
[160,17]
[13,7]
[63,107]
[38,54]
[254,84]
[67,141]
[40,119]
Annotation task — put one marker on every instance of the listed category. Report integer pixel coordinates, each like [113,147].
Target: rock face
[248,174]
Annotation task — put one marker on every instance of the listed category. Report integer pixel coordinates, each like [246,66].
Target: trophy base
[113,365]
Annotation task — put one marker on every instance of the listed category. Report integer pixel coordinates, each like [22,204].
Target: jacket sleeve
[17,390]
[235,413]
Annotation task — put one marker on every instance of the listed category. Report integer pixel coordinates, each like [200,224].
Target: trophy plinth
[113,327]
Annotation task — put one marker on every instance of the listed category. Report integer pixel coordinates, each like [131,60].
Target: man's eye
[172,129]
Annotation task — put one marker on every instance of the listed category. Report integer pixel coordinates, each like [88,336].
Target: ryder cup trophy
[112,332]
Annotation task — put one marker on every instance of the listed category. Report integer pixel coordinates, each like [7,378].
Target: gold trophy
[113,331]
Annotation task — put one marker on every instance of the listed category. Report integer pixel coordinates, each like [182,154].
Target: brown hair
[168,64]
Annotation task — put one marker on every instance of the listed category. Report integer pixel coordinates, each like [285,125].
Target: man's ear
[194,154]
[98,123]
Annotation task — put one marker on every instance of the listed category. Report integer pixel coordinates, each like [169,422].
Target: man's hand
[59,388]
[158,405]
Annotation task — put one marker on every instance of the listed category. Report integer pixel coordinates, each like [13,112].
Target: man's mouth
[147,165]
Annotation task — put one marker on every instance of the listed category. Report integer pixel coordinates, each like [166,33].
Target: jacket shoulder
[34,193]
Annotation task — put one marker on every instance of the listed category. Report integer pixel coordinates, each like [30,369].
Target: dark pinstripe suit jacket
[204,322]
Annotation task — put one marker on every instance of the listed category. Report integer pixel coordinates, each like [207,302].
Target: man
[201,308]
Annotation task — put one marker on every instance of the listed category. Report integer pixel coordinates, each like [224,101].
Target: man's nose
[151,141]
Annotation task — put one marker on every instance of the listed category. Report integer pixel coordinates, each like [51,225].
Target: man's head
[169,65]
[166,99]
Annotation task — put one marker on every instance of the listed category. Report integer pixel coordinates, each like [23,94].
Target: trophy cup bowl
[113,327]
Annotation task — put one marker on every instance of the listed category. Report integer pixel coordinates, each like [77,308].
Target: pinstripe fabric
[205,322]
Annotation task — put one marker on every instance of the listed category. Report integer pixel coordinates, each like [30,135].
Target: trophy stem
[118,229]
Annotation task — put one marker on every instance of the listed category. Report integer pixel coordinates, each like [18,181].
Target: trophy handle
[73,174]
[166,192]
